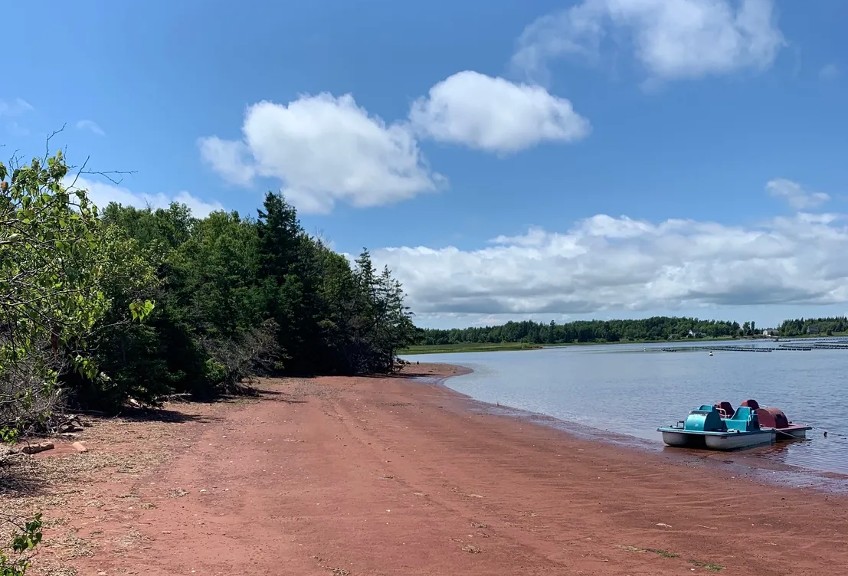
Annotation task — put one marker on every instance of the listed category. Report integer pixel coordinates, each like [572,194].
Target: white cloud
[494,114]
[617,266]
[795,195]
[830,72]
[672,39]
[231,159]
[16,107]
[102,193]
[324,149]
[91,126]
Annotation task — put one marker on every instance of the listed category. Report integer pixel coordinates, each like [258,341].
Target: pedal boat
[705,428]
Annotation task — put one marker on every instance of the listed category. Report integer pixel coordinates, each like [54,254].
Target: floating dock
[800,345]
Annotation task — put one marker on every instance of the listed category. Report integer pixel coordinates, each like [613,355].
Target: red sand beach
[389,476]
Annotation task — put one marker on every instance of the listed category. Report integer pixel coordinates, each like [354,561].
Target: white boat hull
[734,440]
[676,438]
[795,432]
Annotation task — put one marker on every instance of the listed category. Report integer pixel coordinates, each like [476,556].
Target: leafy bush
[27,536]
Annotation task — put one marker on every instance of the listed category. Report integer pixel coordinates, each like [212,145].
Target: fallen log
[36,448]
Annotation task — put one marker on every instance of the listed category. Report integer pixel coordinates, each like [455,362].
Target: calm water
[632,389]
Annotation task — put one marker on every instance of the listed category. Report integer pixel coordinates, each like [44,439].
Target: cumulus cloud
[672,39]
[231,159]
[494,114]
[608,265]
[102,193]
[324,149]
[91,126]
[795,195]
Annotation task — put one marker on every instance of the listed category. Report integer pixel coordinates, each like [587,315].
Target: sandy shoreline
[348,476]
[754,464]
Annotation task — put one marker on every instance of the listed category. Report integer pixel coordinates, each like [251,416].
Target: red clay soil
[389,476]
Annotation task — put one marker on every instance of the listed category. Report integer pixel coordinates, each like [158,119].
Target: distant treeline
[655,328]
[814,326]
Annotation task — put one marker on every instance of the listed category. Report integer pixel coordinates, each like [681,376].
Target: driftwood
[8,452]
[36,448]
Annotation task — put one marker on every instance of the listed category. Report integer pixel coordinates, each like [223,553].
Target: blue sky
[546,160]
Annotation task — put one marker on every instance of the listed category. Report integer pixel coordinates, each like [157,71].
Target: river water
[632,389]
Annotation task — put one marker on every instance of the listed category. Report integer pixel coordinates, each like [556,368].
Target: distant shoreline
[507,346]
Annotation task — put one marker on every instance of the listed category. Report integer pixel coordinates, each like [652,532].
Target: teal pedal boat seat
[705,419]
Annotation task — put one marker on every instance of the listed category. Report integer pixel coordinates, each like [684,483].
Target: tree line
[97,307]
[647,329]
[814,326]
[584,331]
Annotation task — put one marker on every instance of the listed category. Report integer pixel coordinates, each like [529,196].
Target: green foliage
[9,435]
[141,310]
[236,297]
[330,318]
[286,259]
[48,241]
[53,261]
[215,274]
[64,277]
[814,326]
[97,308]
[24,541]
[583,331]
[384,323]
